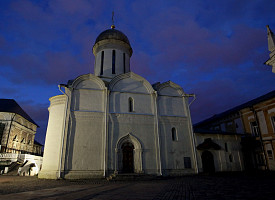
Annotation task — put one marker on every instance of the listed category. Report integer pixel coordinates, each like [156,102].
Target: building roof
[112,34]
[207,131]
[208,144]
[248,104]
[11,106]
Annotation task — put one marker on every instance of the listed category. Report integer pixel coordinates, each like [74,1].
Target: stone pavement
[219,186]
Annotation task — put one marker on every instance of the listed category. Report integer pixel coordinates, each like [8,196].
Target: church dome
[112,34]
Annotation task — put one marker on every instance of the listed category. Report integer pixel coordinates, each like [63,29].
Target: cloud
[140,64]
[213,97]
[214,49]
[6,91]
[49,42]
[39,113]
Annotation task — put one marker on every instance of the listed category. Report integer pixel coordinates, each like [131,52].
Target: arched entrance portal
[127,157]
[208,162]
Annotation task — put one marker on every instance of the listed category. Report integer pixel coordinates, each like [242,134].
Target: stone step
[132,177]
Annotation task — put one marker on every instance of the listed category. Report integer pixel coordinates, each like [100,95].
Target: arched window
[230,158]
[114,62]
[124,64]
[131,104]
[225,147]
[174,134]
[102,62]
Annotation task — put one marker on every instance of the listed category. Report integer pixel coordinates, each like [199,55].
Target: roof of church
[112,34]
[11,106]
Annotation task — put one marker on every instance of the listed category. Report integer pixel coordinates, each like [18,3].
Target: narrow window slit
[124,65]
[114,62]
[102,62]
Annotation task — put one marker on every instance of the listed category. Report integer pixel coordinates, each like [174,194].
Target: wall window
[2,128]
[102,62]
[270,154]
[114,62]
[260,159]
[225,147]
[131,104]
[124,64]
[174,134]
[15,138]
[230,158]
[254,128]
[187,162]
[230,127]
[273,122]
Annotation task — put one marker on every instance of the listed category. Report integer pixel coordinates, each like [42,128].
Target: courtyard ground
[257,185]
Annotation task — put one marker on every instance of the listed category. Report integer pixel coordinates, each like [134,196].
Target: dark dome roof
[112,34]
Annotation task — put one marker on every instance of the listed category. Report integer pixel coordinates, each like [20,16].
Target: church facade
[114,121]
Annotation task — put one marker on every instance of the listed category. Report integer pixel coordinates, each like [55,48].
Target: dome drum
[112,44]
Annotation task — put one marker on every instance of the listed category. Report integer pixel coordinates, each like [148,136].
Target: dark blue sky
[215,49]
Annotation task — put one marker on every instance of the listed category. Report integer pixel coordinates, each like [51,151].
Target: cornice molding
[91,77]
[171,84]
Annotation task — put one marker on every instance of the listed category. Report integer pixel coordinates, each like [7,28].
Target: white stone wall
[85,141]
[108,58]
[221,157]
[142,103]
[174,151]
[99,122]
[85,135]
[171,106]
[141,127]
[54,137]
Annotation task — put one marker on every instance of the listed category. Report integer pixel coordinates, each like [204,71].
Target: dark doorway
[128,158]
[208,162]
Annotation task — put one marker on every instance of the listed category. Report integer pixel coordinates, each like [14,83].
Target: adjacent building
[258,118]
[17,129]
[20,153]
[218,151]
[252,126]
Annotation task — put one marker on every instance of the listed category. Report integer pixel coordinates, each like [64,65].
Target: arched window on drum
[131,104]
[114,62]
[174,134]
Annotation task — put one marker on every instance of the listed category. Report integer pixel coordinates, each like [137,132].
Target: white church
[115,122]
